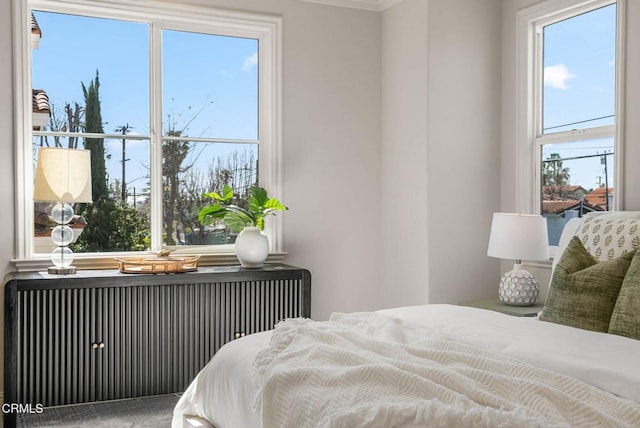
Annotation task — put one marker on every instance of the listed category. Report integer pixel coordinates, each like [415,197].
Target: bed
[444,365]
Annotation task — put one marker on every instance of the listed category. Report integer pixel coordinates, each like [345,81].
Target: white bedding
[224,392]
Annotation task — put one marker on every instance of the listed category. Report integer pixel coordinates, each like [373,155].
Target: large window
[172,101]
[573,112]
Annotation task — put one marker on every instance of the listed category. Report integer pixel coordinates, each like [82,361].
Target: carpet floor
[155,411]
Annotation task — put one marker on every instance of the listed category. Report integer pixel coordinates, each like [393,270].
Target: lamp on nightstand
[518,237]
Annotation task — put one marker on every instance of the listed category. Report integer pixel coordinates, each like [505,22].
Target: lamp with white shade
[518,237]
[63,176]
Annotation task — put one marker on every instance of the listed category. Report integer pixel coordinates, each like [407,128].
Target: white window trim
[266,28]
[527,157]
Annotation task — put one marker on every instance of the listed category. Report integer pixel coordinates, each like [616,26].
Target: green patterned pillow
[625,320]
[609,236]
[583,291]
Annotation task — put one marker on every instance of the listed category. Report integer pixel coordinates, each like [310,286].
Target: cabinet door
[84,344]
[55,361]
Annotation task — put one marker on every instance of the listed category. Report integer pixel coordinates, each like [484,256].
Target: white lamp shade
[518,237]
[63,175]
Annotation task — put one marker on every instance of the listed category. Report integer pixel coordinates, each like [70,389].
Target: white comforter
[463,391]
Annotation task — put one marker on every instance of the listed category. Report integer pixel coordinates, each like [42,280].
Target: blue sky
[579,85]
[209,82]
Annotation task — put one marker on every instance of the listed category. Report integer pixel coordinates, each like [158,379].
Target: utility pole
[603,160]
[124,130]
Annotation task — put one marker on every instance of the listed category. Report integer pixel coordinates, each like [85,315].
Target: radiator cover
[102,335]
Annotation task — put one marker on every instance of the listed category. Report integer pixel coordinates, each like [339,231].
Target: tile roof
[35,28]
[562,193]
[558,207]
[40,101]
[41,109]
[566,187]
[599,196]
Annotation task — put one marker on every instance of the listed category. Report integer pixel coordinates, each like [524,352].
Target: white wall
[441,149]
[403,195]
[332,152]
[6,138]
[464,146]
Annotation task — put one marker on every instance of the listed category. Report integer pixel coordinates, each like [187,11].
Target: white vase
[252,247]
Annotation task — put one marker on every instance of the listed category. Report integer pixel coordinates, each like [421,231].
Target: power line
[579,122]
[577,157]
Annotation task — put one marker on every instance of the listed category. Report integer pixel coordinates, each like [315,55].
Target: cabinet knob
[239,334]
[101,345]
[94,345]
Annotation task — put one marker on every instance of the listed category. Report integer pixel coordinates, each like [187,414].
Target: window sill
[545,264]
[109,262]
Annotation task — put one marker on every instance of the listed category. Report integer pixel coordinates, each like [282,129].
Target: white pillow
[573,227]
[609,236]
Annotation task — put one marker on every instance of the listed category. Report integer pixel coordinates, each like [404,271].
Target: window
[173,101]
[572,117]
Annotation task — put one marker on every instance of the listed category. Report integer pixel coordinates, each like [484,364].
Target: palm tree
[553,173]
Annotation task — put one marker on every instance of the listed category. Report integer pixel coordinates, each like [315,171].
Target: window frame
[159,16]
[529,78]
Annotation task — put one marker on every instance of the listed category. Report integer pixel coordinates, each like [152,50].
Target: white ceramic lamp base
[518,287]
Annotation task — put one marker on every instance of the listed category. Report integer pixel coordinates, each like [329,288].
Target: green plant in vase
[252,246]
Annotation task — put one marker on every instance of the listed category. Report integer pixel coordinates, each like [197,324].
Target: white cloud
[250,62]
[557,76]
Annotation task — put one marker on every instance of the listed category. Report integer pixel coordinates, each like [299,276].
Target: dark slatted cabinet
[102,335]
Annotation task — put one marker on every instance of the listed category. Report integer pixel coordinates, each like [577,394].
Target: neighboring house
[41,111]
[563,193]
[601,197]
[562,203]
[36,33]
[560,208]
[41,107]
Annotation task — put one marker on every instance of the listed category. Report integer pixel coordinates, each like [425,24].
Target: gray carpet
[153,411]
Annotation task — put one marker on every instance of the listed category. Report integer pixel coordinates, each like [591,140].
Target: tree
[174,153]
[238,169]
[74,121]
[111,225]
[68,121]
[93,124]
[184,186]
[553,172]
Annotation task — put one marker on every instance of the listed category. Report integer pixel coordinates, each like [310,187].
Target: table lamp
[518,237]
[63,176]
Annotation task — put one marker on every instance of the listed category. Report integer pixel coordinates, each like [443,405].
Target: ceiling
[376,5]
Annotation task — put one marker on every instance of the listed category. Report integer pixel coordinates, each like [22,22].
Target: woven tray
[171,264]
